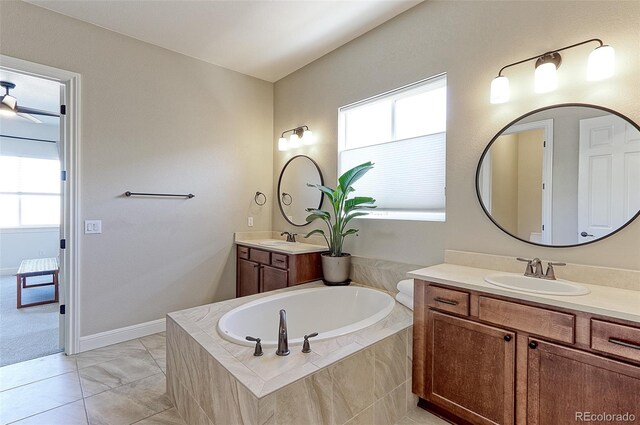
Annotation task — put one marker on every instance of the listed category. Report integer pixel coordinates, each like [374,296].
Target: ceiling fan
[9,106]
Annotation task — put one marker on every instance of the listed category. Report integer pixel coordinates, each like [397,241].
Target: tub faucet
[283,340]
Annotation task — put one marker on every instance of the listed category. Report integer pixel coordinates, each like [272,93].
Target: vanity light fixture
[299,136]
[599,66]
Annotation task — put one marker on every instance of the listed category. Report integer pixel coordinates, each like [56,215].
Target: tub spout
[283,340]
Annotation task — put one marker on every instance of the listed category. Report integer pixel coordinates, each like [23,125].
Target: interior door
[62,258]
[609,175]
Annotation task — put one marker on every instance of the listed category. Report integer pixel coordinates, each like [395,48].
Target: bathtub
[330,311]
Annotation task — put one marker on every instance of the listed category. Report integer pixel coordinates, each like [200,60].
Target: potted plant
[335,263]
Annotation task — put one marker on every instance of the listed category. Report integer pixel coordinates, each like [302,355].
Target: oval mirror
[294,196]
[564,175]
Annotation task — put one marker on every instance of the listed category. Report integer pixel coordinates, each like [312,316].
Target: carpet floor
[28,332]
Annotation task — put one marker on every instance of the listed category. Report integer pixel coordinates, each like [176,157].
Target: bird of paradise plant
[344,209]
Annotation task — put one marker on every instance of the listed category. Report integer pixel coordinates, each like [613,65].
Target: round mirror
[563,175]
[294,196]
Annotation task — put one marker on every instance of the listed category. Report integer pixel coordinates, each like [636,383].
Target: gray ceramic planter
[336,269]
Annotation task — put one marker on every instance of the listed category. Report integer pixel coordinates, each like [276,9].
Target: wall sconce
[599,66]
[299,136]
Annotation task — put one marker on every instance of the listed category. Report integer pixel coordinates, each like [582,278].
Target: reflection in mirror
[563,175]
[294,196]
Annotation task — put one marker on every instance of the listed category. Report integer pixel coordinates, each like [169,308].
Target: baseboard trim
[102,339]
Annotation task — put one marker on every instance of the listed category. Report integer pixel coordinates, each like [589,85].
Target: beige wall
[504,182]
[154,120]
[530,149]
[462,39]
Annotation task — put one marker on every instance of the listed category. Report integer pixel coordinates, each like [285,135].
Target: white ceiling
[267,39]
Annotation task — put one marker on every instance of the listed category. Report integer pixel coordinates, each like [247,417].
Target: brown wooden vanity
[480,358]
[260,270]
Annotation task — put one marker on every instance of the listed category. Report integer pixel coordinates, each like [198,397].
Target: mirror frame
[280,182]
[535,111]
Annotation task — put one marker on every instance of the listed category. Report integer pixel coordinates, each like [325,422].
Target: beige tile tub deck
[338,382]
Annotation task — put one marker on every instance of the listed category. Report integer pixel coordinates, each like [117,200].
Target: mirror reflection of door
[514,181]
[585,186]
[609,175]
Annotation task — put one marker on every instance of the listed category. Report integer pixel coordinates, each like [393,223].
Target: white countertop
[282,246]
[604,300]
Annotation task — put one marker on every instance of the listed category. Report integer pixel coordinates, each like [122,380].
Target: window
[404,133]
[29,192]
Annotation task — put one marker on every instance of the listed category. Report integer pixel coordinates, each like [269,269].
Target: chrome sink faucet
[283,340]
[291,237]
[534,268]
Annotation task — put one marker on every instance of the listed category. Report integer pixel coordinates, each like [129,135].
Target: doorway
[38,193]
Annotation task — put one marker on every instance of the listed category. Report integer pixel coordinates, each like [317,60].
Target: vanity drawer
[279,260]
[448,300]
[619,340]
[243,252]
[259,256]
[539,321]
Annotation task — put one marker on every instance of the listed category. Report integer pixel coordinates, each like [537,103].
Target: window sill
[405,216]
[29,229]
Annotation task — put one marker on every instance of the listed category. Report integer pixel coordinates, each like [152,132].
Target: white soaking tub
[330,311]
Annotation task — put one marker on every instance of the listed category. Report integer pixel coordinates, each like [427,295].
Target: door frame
[547,172]
[71,219]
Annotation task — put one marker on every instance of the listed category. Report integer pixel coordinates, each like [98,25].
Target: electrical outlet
[250,221]
[41,253]
[92,227]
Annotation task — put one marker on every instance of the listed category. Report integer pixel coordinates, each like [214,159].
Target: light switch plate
[250,221]
[92,226]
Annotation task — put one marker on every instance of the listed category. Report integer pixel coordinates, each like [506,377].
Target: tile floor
[117,385]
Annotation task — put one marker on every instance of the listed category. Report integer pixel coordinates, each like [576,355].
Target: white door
[62,275]
[609,176]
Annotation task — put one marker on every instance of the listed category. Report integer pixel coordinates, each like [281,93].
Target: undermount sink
[276,243]
[536,285]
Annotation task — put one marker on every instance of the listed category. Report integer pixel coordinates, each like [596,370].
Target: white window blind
[29,192]
[404,133]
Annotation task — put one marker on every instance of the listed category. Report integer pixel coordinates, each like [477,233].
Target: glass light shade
[499,90]
[5,111]
[282,144]
[294,141]
[601,63]
[546,78]
[307,137]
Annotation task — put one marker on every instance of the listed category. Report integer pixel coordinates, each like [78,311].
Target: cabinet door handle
[624,343]
[533,345]
[445,301]
[507,338]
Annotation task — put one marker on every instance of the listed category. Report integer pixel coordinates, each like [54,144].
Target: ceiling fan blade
[10,101]
[29,117]
[34,111]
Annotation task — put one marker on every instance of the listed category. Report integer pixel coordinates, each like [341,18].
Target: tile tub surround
[380,274]
[215,381]
[602,300]
[594,275]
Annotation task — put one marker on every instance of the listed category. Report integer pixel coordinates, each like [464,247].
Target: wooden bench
[37,267]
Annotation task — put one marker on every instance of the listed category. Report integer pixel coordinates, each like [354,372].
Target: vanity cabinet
[261,270]
[563,382]
[480,358]
[463,356]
